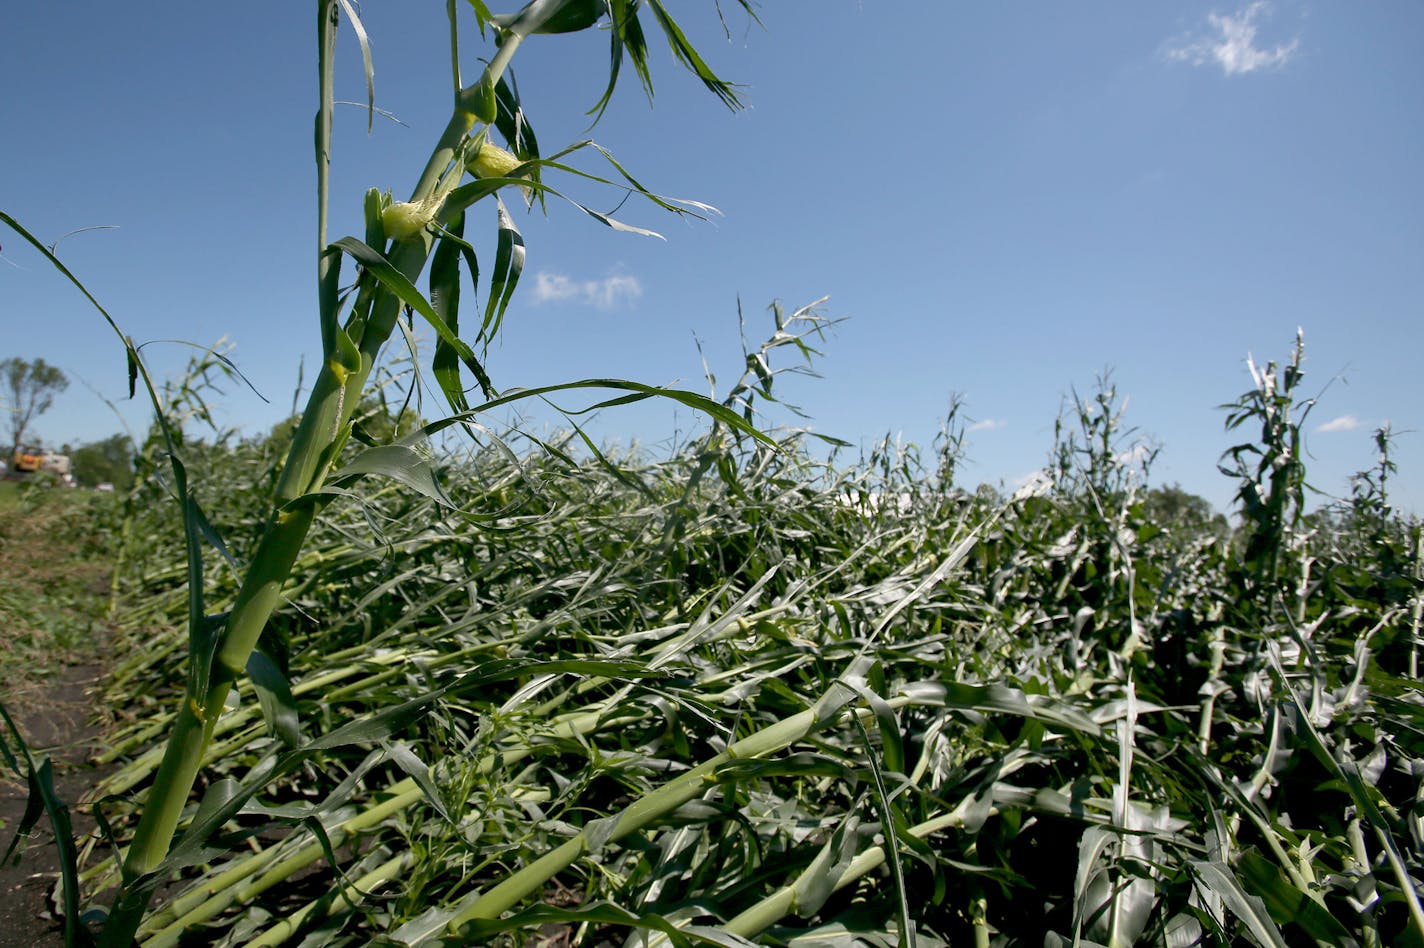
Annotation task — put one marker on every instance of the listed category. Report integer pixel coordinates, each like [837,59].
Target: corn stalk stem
[1416,608]
[216,894]
[199,713]
[647,809]
[782,902]
[228,888]
[316,441]
[381,875]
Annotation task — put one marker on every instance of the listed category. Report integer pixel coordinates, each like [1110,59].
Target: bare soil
[56,722]
[54,568]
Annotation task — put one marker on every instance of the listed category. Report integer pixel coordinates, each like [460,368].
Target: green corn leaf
[215,539]
[598,456]
[625,39]
[638,390]
[370,70]
[816,884]
[400,462]
[614,223]
[1288,904]
[1184,931]
[58,813]
[217,797]
[274,696]
[1364,796]
[482,14]
[34,801]
[1003,699]
[679,206]
[513,124]
[526,176]
[793,765]
[415,768]
[329,851]
[572,16]
[892,744]
[1218,879]
[204,631]
[689,57]
[508,266]
[225,802]
[131,357]
[220,803]
[445,300]
[599,914]
[890,824]
[395,281]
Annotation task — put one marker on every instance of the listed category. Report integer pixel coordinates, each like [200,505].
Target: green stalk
[317,439]
[111,610]
[381,875]
[980,911]
[1369,896]
[215,895]
[782,902]
[349,354]
[1218,662]
[647,809]
[139,770]
[198,715]
[1416,608]
[224,890]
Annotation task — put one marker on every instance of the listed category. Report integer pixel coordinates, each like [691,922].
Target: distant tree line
[104,462]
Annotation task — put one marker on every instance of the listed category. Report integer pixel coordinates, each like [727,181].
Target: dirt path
[54,566]
[56,722]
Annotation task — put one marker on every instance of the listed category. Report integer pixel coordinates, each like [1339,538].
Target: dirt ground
[54,568]
[58,723]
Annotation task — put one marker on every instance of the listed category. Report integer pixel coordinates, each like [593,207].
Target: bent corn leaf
[397,283]
[399,462]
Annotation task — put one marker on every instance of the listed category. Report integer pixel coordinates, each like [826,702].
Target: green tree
[1175,509]
[30,388]
[105,462]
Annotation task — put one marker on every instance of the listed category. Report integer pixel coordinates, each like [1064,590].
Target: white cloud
[989,424]
[602,294]
[1231,44]
[1343,423]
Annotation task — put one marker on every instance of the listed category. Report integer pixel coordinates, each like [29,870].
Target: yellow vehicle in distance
[29,461]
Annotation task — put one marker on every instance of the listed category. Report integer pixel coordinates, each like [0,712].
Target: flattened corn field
[743,696]
[371,684]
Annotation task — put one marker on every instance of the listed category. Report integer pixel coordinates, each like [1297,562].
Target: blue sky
[1001,200]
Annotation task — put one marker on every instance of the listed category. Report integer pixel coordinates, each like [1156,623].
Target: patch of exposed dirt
[54,567]
[58,722]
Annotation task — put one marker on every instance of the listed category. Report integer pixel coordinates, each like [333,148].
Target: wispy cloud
[1230,42]
[989,424]
[1343,423]
[602,294]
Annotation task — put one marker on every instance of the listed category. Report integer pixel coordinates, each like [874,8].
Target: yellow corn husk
[406,219]
[493,162]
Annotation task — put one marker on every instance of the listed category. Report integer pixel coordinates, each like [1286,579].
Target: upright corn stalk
[399,240]
[1270,472]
